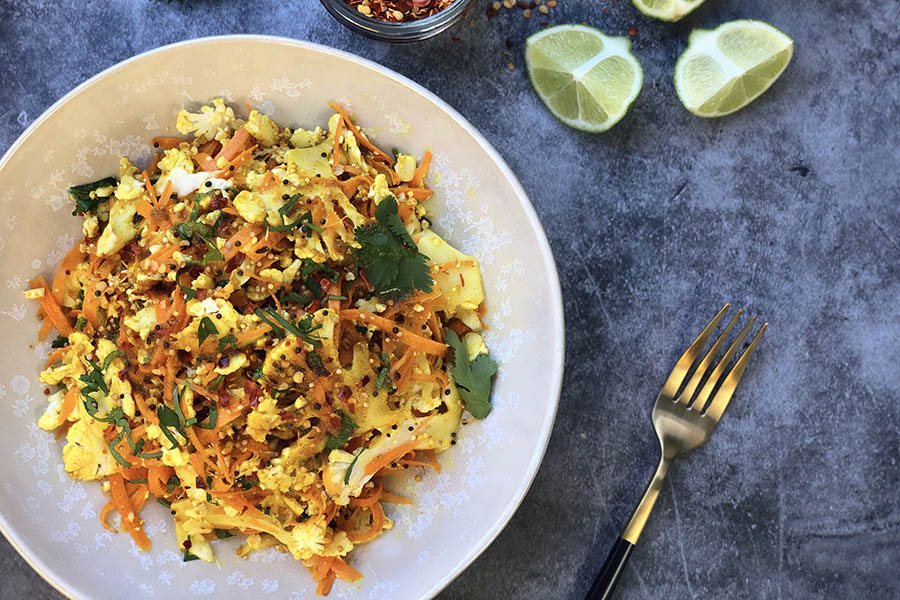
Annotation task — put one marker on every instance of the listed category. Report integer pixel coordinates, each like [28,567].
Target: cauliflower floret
[379,190]
[348,143]
[263,419]
[51,419]
[405,167]
[287,473]
[340,544]
[191,525]
[91,226]
[120,230]
[86,455]
[459,279]
[474,345]
[302,138]
[236,362]
[262,128]
[175,158]
[142,322]
[79,345]
[212,122]
[255,207]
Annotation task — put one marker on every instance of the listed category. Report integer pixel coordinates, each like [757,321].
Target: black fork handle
[606,580]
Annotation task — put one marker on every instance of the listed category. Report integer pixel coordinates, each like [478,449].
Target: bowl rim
[556,316]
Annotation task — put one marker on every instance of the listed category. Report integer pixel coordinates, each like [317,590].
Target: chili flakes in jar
[399,11]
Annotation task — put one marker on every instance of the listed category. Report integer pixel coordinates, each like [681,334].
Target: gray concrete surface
[789,208]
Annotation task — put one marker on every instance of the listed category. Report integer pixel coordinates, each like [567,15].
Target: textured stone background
[789,208]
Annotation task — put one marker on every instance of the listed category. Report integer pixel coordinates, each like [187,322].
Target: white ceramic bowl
[479,206]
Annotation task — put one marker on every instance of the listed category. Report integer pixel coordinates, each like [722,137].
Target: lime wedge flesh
[725,69]
[667,10]
[588,80]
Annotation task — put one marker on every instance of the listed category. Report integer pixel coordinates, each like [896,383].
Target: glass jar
[408,31]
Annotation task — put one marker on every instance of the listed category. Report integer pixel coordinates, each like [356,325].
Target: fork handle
[606,580]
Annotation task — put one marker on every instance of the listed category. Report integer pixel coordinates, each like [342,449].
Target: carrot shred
[157,479]
[55,356]
[325,584]
[404,336]
[91,304]
[68,264]
[167,143]
[395,499]
[104,515]
[358,134]
[151,192]
[46,327]
[206,162]
[52,310]
[69,402]
[344,571]
[350,186]
[418,179]
[235,145]
[130,522]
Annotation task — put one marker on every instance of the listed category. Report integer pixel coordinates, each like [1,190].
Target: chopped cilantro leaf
[473,378]
[80,322]
[81,195]
[188,557]
[351,465]
[206,329]
[223,534]
[60,342]
[224,341]
[278,331]
[348,426]
[388,255]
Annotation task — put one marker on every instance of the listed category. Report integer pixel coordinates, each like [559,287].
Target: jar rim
[409,31]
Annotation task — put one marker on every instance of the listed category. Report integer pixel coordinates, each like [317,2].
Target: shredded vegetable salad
[255,331]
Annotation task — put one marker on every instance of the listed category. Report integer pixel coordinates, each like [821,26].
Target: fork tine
[703,396]
[691,387]
[679,372]
[723,396]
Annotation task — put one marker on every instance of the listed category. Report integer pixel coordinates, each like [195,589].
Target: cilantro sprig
[473,378]
[81,195]
[388,255]
[303,328]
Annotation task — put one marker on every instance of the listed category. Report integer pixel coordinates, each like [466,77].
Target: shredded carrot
[46,327]
[166,195]
[403,335]
[358,134]
[210,148]
[411,192]
[66,267]
[130,521]
[235,145]
[104,515]
[205,162]
[69,402]
[358,537]
[167,143]
[55,356]
[157,479]
[344,571]
[336,151]
[251,334]
[92,304]
[151,192]
[241,239]
[369,499]
[324,586]
[418,179]
[395,499]
[350,186]
[52,310]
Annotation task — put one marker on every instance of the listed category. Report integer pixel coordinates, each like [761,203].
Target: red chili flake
[344,393]
[632,32]
[217,202]
[201,295]
[123,374]
[46,391]
[252,391]
[224,397]
[397,11]
[462,280]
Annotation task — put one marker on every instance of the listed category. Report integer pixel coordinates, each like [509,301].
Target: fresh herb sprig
[473,378]
[388,255]
[348,426]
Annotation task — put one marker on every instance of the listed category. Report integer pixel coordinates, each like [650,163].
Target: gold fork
[681,424]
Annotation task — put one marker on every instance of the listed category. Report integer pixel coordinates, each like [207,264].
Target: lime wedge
[667,10]
[588,80]
[725,69]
